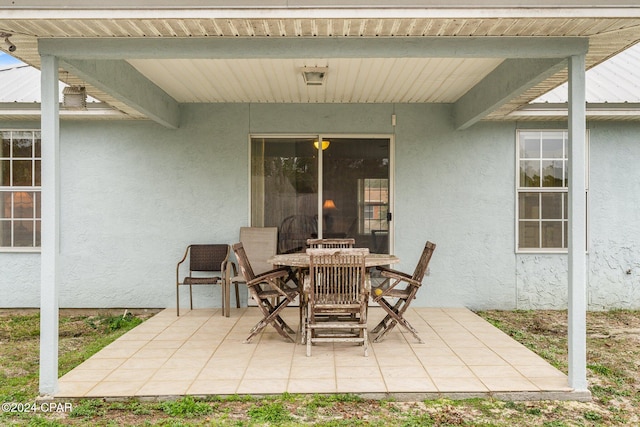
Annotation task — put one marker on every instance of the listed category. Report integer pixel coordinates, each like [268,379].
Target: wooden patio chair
[207,266]
[336,309]
[395,299]
[331,243]
[264,288]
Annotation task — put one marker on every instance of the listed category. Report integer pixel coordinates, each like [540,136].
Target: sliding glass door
[322,186]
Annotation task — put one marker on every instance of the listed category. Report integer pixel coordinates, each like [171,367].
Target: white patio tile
[115,389]
[361,385]
[317,385]
[130,375]
[94,375]
[213,387]
[202,353]
[137,362]
[409,385]
[75,388]
[263,386]
[164,388]
[459,385]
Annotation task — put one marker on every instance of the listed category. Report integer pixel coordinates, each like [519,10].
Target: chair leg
[190,297]
[177,300]
[237,296]
[271,317]
[225,298]
[274,309]
[366,342]
[383,323]
[303,322]
[394,316]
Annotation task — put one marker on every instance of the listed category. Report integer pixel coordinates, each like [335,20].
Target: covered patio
[202,353]
[196,82]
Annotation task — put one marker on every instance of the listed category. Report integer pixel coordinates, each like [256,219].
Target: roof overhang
[31,111]
[594,111]
[486,59]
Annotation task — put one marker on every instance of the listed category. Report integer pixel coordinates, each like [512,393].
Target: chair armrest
[180,262]
[276,279]
[398,275]
[233,268]
[276,273]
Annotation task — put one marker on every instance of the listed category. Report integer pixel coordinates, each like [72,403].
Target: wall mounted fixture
[75,98]
[9,46]
[314,76]
[325,143]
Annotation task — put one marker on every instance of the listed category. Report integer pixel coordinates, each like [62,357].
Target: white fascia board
[561,109]
[30,109]
[391,12]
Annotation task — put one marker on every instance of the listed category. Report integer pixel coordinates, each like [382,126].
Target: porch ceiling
[372,79]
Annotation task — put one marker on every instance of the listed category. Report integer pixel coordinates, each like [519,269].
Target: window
[20,189]
[542,190]
[374,200]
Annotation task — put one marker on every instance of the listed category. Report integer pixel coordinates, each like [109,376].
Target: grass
[613,369]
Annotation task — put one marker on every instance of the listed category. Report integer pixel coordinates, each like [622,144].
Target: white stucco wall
[134,194]
[614,223]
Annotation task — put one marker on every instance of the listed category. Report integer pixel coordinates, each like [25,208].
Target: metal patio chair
[207,266]
[260,244]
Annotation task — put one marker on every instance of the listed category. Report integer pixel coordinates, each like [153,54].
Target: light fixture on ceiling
[325,143]
[9,46]
[75,98]
[314,76]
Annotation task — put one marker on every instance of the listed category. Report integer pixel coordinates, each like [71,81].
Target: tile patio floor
[202,353]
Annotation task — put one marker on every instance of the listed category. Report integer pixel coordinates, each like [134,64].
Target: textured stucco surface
[614,193]
[134,194]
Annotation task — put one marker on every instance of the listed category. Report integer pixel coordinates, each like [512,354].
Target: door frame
[329,136]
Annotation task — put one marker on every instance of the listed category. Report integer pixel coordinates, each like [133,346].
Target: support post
[50,135]
[577,333]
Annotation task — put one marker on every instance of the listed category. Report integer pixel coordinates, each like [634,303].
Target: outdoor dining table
[300,261]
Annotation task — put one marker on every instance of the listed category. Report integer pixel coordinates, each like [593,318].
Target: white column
[577,226]
[50,226]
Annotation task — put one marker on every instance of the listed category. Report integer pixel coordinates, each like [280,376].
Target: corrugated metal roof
[21,83]
[613,81]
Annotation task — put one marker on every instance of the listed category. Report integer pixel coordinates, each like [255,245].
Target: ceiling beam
[122,81]
[308,47]
[509,80]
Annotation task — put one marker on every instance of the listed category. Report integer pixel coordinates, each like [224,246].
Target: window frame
[34,190]
[541,190]
[366,221]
